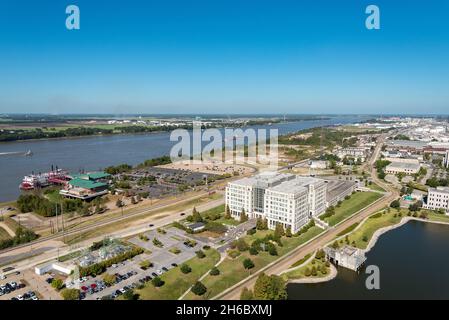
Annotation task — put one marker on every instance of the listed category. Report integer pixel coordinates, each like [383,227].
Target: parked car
[164,268]
[174,264]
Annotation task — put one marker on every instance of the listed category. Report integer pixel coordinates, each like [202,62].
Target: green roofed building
[86,186]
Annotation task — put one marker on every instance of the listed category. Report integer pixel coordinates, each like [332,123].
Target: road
[286,261]
[60,249]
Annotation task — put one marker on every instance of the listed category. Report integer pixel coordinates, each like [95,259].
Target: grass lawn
[322,270]
[232,270]
[301,261]
[364,233]
[221,211]
[4,235]
[358,201]
[375,187]
[437,216]
[176,282]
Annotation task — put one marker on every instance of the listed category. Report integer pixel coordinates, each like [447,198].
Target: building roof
[404,165]
[86,184]
[91,175]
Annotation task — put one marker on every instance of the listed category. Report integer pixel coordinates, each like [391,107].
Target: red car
[84,288]
[93,285]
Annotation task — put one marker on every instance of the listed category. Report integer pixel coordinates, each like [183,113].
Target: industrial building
[284,199]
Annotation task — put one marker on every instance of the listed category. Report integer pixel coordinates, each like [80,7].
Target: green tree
[214,271]
[130,295]
[288,232]
[109,279]
[279,231]
[270,288]
[248,264]
[243,216]
[185,268]
[70,294]
[227,213]
[200,254]
[58,284]
[199,289]
[157,282]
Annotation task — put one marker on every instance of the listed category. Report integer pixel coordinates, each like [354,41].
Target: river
[413,261]
[97,152]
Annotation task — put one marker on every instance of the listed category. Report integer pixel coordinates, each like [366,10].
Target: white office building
[438,198]
[280,198]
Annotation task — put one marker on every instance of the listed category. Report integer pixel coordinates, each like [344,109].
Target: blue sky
[224,56]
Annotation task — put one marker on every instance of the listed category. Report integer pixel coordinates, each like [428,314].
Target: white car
[2,277]
[34,298]
[159,272]
[20,297]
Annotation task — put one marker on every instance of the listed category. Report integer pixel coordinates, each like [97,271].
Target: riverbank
[395,220]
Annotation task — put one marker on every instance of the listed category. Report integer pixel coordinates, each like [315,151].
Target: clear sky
[224,56]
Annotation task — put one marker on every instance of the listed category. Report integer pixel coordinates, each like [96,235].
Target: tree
[200,254]
[243,216]
[253,251]
[199,289]
[157,282]
[246,294]
[58,284]
[227,213]
[130,295]
[185,268]
[270,288]
[272,250]
[119,203]
[248,264]
[288,232]
[259,224]
[196,216]
[241,245]
[214,271]
[395,204]
[70,294]
[109,279]
[279,231]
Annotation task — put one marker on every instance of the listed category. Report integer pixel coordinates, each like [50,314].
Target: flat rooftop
[404,165]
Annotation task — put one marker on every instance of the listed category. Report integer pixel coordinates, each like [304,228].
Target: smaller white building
[407,167]
[437,198]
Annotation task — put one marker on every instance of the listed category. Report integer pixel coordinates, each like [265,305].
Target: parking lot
[13,287]
[129,274]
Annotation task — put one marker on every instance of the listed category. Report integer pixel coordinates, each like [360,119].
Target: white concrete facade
[438,198]
[280,198]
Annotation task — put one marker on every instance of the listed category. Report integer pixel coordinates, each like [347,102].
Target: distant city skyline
[225,57]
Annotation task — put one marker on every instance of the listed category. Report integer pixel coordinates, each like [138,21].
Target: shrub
[200,254]
[214,271]
[248,263]
[253,251]
[70,294]
[251,232]
[199,289]
[185,268]
[58,284]
[157,282]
